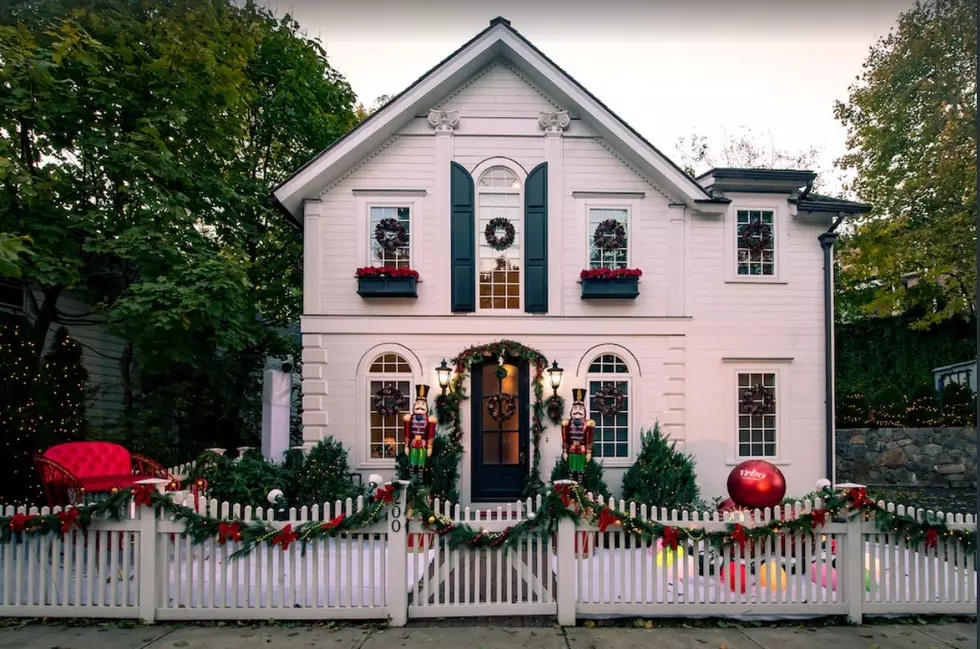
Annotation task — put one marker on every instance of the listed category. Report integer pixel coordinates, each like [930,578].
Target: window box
[387,282]
[610,284]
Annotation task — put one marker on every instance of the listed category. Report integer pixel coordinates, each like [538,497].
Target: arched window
[390,385]
[499,204]
[608,376]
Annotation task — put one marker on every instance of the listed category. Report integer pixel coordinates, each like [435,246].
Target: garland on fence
[448,406]
[564,501]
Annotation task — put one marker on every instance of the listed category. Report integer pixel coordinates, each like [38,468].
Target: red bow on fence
[285,537]
[229,532]
[607,519]
[385,494]
[932,537]
[333,522]
[68,518]
[671,537]
[20,522]
[739,536]
[143,495]
[859,498]
[818,518]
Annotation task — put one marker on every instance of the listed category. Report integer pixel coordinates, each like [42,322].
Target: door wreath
[501,242]
[388,401]
[750,401]
[501,406]
[390,234]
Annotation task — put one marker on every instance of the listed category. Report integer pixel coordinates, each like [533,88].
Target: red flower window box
[610,283]
[386,281]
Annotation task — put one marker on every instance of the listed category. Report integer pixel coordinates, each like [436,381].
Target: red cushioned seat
[107,482]
[92,459]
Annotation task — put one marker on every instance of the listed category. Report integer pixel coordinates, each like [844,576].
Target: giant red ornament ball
[756,483]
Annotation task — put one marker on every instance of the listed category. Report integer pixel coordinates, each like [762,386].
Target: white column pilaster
[554,124]
[677,258]
[439,265]
[311,257]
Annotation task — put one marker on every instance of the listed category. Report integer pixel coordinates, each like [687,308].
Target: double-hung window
[609,406]
[390,236]
[756,403]
[608,237]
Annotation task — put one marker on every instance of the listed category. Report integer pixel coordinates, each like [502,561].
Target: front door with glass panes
[499,431]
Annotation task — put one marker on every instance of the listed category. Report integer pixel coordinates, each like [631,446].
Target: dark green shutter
[536,240]
[462,226]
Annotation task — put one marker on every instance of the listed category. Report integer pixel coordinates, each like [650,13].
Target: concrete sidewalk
[51,636]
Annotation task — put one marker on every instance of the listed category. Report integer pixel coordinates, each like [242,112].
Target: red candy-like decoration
[756,484]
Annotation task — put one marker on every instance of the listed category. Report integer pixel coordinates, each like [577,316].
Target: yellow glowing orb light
[666,556]
[767,576]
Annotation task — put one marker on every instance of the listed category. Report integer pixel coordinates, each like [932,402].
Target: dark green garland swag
[565,500]
[448,406]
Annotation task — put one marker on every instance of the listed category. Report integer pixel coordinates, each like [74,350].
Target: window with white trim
[383,226]
[755,240]
[615,252]
[608,379]
[499,215]
[756,408]
[389,384]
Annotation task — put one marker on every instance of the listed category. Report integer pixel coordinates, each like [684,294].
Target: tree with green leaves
[912,138]
[662,476]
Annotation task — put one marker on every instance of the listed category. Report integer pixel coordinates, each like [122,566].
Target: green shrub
[321,476]
[852,410]
[958,405]
[889,410]
[441,469]
[923,409]
[594,482]
[662,476]
[246,481]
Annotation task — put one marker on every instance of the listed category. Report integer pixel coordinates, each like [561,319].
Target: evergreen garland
[448,406]
[662,476]
[564,501]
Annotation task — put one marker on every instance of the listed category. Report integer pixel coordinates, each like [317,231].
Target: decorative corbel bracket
[554,122]
[444,120]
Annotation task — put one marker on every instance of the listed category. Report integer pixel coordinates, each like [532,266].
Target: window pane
[500,270]
[603,257]
[756,407]
[753,259]
[491,448]
[611,431]
[398,256]
[390,364]
[387,434]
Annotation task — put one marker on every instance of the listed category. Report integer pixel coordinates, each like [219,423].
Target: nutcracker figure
[577,434]
[420,430]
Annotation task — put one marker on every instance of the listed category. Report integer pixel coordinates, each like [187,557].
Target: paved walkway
[934,636]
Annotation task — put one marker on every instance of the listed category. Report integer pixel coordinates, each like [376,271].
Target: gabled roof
[499,40]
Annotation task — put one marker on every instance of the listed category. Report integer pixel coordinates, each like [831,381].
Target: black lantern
[554,376]
[444,372]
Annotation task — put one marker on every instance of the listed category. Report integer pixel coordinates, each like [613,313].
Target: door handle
[523,457]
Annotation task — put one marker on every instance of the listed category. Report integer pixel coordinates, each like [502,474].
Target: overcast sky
[668,67]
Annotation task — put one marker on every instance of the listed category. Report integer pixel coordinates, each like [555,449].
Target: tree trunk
[43,319]
[127,385]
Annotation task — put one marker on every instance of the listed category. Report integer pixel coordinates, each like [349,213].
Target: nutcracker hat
[421,392]
[578,395]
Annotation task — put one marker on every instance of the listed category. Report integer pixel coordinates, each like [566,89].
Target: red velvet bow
[385,494]
[285,537]
[671,537]
[859,497]
[229,532]
[818,517]
[20,522]
[932,537]
[564,492]
[68,518]
[739,536]
[607,519]
[143,495]
[333,522]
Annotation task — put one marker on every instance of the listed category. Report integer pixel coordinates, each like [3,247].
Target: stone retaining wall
[912,457]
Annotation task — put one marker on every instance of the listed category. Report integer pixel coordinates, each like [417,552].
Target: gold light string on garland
[564,501]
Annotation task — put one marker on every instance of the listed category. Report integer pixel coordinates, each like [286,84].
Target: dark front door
[500,455]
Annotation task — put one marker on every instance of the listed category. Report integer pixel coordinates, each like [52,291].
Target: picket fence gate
[144,568]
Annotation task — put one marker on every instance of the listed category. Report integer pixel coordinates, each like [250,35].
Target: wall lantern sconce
[444,372]
[554,376]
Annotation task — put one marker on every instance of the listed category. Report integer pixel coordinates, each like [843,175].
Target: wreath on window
[608,401]
[499,242]
[752,396]
[756,235]
[388,401]
[390,234]
[609,235]
[501,406]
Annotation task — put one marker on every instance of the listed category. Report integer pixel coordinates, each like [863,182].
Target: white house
[498,131]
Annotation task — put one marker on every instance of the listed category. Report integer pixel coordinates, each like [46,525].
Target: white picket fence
[144,568]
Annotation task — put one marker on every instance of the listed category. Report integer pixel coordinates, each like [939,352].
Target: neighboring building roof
[498,40]
[819,203]
[955,365]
